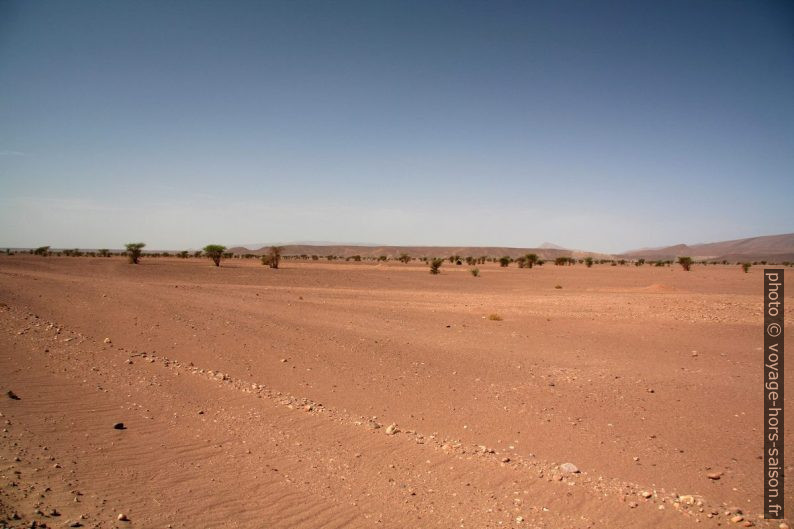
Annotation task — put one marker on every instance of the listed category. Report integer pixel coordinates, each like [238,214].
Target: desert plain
[330,395]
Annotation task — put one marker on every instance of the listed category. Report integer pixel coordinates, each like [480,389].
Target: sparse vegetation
[495,317]
[215,252]
[435,265]
[475,272]
[558,287]
[103,252]
[504,261]
[531,259]
[685,262]
[42,250]
[588,262]
[273,257]
[134,250]
[404,258]
[746,267]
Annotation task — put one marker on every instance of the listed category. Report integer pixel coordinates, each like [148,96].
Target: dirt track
[262,398]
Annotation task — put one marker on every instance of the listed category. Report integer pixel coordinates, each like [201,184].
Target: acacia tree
[215,252]
[531,259]
[42,250]
[134,251]
[685,262]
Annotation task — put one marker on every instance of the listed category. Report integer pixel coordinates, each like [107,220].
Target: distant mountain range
[776,248]
[346,250]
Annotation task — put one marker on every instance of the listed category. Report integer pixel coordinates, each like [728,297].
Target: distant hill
[765,248]
[413,251]
[551,246]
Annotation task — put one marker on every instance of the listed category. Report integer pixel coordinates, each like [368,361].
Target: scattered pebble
[714,475]
[391,429]
[119,426]
[12,395]
[107,340]
[122,517]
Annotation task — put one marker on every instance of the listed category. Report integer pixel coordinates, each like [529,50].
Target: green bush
[42,250]
[685,262]
[588,262]
[504,261]
[134,251]
[435,265]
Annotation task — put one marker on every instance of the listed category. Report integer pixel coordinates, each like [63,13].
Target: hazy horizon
[603,127]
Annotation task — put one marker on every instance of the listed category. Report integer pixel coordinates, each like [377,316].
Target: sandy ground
[363,395]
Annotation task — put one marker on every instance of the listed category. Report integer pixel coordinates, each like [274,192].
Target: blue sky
[596,125]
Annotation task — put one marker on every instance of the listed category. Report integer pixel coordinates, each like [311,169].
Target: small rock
[119,426]
[11,395]
[738,518]
[391,429]
[646,494]
[570,468]
[505,460]
[519,519]
[651,390]
[122,517]
[783,525]
[714,475]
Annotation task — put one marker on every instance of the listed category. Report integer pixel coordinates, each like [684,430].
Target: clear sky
[595,125]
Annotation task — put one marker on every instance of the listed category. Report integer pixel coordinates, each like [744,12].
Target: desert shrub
[42,250]
[504,261]
[531,259]
[495,317]
[435,265]
[226,255]
[383,258]
[685,262]
[404,258]
[104,252]
[558,287]
[746,267]
[561,261]
[134,250]
[521,261]
[540,262]
[622,262]
[588,262]
[273,258]
[640,262]
[356,258]
[183,254]
[215,252]
[475,272]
